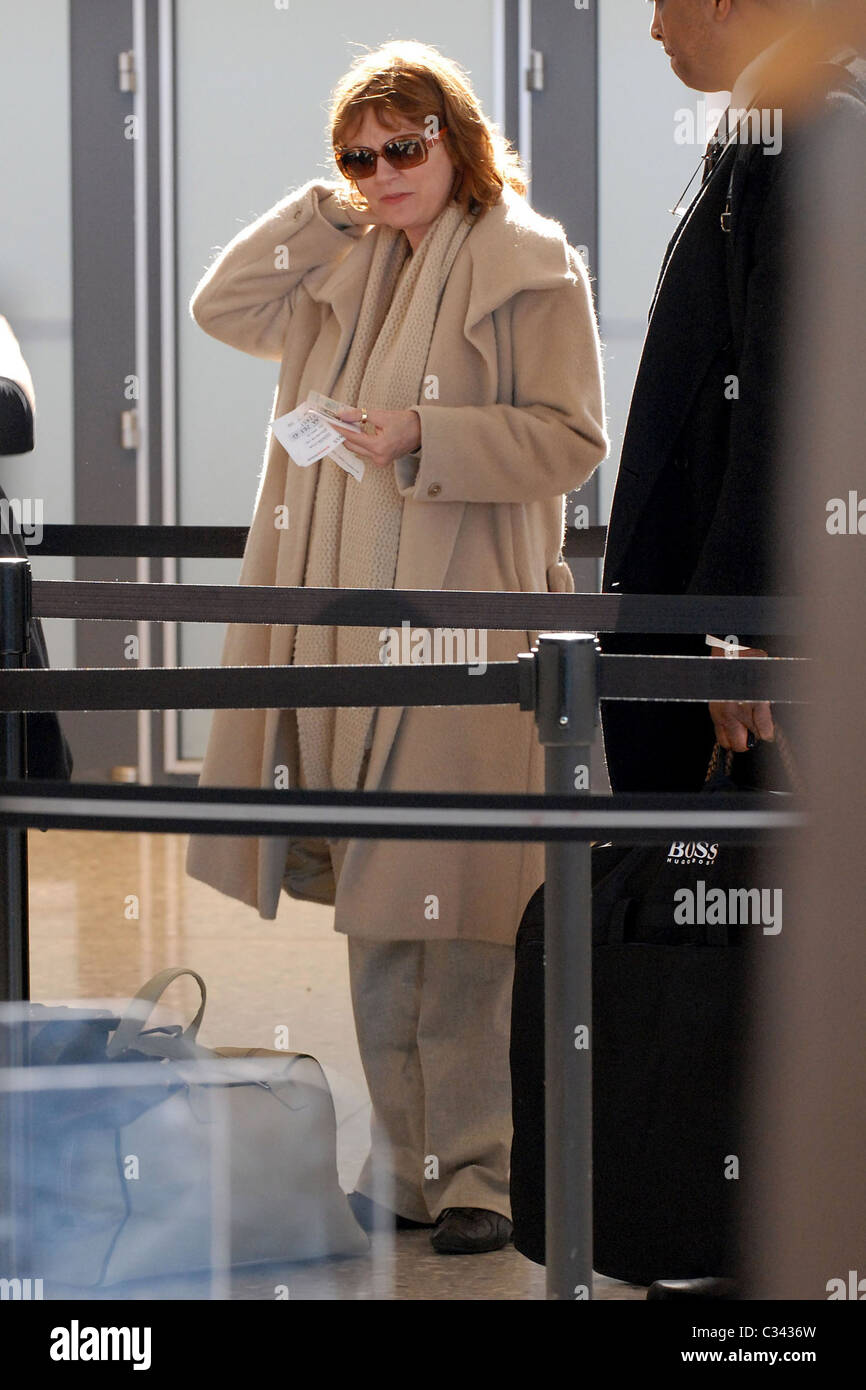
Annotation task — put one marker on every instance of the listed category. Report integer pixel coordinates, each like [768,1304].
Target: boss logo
[692,852]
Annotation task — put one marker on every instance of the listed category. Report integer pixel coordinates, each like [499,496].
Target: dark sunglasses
[404,152]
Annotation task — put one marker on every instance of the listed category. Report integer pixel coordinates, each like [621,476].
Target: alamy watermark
[21,1290]
[703,906]
[77,1343]
[853,1288]
[748,125]
[22,516]
[423,646]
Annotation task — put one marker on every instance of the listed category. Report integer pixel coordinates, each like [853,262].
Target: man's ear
[722,9]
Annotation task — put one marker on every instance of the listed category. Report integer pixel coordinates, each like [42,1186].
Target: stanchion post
[15,1206]
[565,699]
[15,609]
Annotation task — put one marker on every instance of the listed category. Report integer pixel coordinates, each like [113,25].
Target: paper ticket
[327,406]
[346,459]
[307,437]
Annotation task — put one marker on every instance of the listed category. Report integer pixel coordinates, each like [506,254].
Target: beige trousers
[433,1025]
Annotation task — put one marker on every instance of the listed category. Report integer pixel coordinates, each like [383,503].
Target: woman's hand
[398,432]
[734,720]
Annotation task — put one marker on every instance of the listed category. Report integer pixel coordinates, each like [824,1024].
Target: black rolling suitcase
[670,1017]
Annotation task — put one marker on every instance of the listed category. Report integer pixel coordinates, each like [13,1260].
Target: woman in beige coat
[422,291]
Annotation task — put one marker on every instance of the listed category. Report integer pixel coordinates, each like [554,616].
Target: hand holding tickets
[327,406]
[307,437]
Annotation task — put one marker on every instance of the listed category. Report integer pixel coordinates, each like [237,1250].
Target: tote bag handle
[140,1008]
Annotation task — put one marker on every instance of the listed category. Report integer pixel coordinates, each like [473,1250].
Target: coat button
[434,490]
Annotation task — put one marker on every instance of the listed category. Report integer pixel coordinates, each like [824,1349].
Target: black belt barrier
[561,680]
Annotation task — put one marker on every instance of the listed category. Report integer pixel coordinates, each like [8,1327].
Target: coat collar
[511,248]
[514,248]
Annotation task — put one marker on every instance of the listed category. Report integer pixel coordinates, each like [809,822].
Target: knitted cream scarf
[355,529]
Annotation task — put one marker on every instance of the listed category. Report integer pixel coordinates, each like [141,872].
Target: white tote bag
[230,1161]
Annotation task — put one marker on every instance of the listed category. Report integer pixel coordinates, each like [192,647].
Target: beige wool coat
[512,418]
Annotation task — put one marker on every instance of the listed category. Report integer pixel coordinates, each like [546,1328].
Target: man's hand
[734,720]
[398,432]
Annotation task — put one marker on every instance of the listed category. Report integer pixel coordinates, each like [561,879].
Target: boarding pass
[307,437]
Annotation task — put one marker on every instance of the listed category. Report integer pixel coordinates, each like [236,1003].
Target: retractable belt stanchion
[15,604]
[559,681]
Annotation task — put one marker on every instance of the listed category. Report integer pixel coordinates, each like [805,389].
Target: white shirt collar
[748,84]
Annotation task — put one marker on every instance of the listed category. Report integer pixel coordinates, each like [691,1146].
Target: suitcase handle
[722,755]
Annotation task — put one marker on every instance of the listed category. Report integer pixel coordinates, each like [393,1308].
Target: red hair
[405,81]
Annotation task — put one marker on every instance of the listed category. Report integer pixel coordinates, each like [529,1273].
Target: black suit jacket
[698,486]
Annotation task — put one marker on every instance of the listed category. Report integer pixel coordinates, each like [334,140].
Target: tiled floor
[108,910]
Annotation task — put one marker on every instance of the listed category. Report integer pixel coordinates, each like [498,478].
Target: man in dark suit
[694,510]
[694,504]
